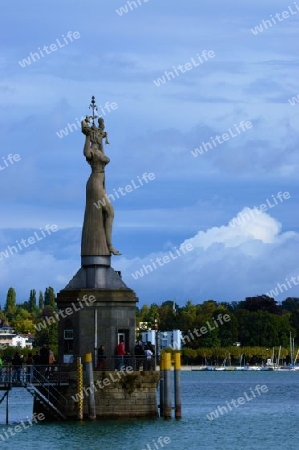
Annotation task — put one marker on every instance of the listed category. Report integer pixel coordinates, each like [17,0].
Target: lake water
[268,420]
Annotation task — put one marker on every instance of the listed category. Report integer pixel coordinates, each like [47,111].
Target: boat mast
[278,358]
[291,348]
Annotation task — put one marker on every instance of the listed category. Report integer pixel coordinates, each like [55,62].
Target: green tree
[32,301]
[49,334]
[41,304]
[22,321]
[142,314]
[168,319]
[261,303]
[210,339]
[153,314]
[228,331]
[50,297]
[10,305]
[290,304]
[187,317]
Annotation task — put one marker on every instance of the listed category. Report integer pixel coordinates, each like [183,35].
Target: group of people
[20,369]
[45,356]
[144,356]
[120,353]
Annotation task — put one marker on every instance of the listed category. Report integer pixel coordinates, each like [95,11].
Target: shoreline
[199,368]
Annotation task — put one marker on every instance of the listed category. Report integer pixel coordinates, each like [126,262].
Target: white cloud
[260,227]
[227,263]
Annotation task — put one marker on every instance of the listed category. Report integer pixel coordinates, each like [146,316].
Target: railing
[21,375]
[60,373]
[52,394]
[41,381]
[136,363]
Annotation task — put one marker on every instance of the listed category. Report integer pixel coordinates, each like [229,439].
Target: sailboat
[293,361]
[270,363]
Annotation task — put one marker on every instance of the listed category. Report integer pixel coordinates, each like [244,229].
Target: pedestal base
[117,395]
[95,317]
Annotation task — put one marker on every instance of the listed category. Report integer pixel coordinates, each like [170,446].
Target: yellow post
[177,385]
[91,396]
[177,360]
[88,357]
[167,385]
[162,385]
[80,388]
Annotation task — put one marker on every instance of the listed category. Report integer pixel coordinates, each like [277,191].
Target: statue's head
[101,123]
[87,119]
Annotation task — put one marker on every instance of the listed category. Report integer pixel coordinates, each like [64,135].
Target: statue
[100,134]
[98,221]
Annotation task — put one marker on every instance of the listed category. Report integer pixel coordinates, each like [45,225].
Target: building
[10,338]
[172,339]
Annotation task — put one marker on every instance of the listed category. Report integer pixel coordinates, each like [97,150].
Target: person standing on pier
[139,355]
[120,352]
[101,358]
[44,358]
[17,366]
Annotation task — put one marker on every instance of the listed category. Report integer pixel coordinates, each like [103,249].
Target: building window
[68,335]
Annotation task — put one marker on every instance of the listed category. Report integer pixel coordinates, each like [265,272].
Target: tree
[48,334]
[22,321]
[32,301]
[261,303]
[228,331]
[142,314]
[50,297]
[211,339]
[41,301]
[290,304]
[167,316]
[10,305]
[187,319]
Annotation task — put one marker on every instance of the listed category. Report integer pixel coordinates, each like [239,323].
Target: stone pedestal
[98,309]
[117,395]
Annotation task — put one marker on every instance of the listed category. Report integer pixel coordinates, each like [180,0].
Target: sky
[201,97]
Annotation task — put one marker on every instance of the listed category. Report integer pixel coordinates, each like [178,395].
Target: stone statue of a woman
[98,220]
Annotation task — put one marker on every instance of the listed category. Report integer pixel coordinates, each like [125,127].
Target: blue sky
[153,130]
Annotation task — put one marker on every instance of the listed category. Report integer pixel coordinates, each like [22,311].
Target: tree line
[256,322]
[23,316]
[256,325]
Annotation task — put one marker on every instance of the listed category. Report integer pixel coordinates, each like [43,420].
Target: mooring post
[167,385]
[90,383]
[161,385]
[177,385]
[7,406]
[80,388]
[95,337]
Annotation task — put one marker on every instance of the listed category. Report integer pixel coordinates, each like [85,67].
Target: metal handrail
[42,380]
[137,363]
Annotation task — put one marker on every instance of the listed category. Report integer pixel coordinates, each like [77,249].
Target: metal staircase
[44,391]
